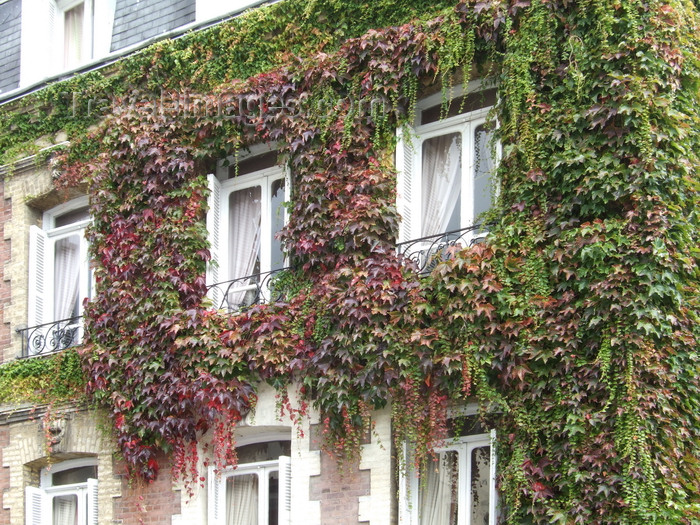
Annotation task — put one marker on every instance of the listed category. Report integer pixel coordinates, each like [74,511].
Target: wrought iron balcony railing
[238,294]
[51,337]
[231,296]
[244,292]
[427,252]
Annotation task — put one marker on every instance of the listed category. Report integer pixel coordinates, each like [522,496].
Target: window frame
[39,500]
[408,160]
[41,290]
[216,499]
[59,27]
[42,45]
[218,218]
[410,482]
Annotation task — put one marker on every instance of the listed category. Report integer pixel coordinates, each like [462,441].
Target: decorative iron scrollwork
[51,337]
[425,253]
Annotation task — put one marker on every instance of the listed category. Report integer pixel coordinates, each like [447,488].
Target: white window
[59,271]
[246,214]
[446,165]
[67,495]
[257,491]
[73,32]
[458,485]
[61,35]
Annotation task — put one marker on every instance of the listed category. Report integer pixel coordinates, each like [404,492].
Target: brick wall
[358,494]
[147,503]
[338,491]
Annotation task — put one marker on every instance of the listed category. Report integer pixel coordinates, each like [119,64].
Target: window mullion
[263,495]
[465,490]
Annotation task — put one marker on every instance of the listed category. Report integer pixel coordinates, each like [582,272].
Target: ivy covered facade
[469,235]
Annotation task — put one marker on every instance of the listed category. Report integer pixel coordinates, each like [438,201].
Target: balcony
[239,294]
[425,253]
[53,337]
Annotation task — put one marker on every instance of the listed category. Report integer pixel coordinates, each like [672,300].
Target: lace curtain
[66,277]
[438,495]
[442,167]
[244,247]
[65,510]
[242,500]
[73,35]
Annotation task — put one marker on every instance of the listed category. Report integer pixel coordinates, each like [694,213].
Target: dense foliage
[259,40]
[52,379]
[575,325]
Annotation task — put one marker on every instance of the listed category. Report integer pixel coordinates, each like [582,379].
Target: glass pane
[253,164]
[273,498]
[65,510]
[479,485]
[67,263]
[74,475]
[71,217]
[268,451]
[242,500]
[483,169]
[73,36]
[438,490]
[244,228]
[442,182]
[276,223]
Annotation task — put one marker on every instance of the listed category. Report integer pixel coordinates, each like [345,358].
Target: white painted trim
[47,472]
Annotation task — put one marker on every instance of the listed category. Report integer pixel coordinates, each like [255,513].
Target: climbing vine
[574,325]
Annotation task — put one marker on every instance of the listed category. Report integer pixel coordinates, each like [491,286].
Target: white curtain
[242,500]
[245,212]
[66,276]
[438,502]
[73,35]
[65,510]
[479,485]
[441,169]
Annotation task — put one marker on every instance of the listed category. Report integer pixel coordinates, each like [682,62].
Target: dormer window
[75,24]
[63,35]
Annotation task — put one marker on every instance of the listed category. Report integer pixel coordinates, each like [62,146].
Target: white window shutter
[285,491]
[405,155]
[34,506]
[38,289]
[92,509]
[216,499]
[214,236]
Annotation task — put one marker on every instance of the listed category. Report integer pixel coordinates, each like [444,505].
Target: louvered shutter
[405,158]
[34,506]
[285,490]
[38,289]
[214,236]
[52,14]
[216,499]
[92,509]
